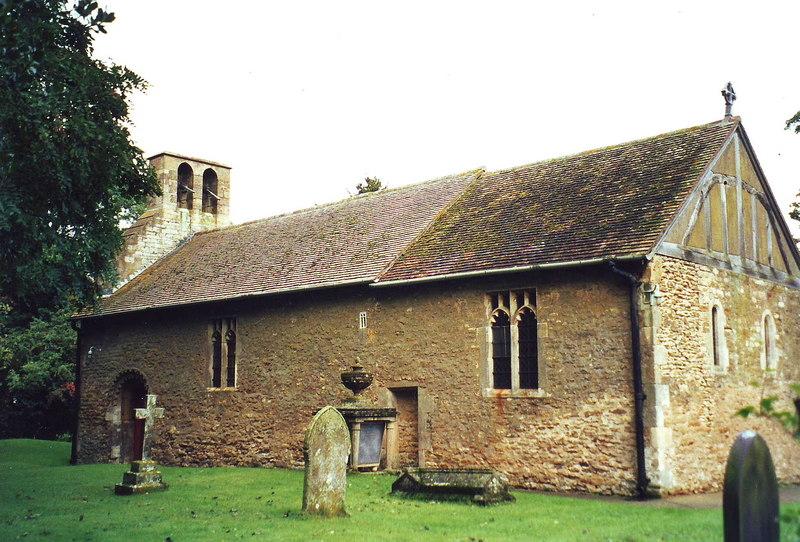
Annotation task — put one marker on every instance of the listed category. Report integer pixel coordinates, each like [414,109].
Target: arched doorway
[132,396]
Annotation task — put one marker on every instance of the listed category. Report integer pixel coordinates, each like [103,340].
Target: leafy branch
[767,409]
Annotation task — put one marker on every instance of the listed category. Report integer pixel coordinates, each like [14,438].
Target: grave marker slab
[325,450]
[750,496]
[481,486]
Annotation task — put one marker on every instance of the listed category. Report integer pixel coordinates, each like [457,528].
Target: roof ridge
[365,195]
[478,174]
[735,121]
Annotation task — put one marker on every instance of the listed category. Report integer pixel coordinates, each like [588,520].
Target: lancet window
[223,353]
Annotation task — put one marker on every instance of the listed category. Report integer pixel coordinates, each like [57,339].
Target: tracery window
[223,353]
[514,341]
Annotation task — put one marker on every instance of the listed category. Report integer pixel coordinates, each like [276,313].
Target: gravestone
[481,486]
[144,475]
[325,450]
[750,495]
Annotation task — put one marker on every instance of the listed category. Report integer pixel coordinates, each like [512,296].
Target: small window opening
[230,342]
[216,356]
[362,320]
[528,350]
[223,353]
[716,338]
[770,353]
[501,351]
[185,186]
[210,197]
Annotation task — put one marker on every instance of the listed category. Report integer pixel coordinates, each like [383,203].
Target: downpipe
[642,481]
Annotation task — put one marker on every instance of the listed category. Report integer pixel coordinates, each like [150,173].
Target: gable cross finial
[730,96]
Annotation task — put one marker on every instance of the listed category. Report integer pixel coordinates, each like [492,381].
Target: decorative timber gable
[731,220]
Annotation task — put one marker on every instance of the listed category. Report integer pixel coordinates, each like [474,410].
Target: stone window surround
[227,323]
[514,312]
[721,327]
[769,336]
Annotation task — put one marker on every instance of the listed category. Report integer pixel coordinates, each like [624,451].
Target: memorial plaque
[370,444]
[750,496]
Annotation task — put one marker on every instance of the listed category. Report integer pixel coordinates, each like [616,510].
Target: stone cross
[730,96]
[325,449]
[149,415]
[750,494]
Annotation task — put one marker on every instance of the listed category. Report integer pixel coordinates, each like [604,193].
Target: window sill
[217,390]
[516,394]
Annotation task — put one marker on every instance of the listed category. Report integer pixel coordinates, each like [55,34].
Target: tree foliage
[370,184]
[37,372]
[794,124]
[69,174]
[68,169]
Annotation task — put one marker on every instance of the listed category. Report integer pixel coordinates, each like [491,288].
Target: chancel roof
[603,204]
[609,203]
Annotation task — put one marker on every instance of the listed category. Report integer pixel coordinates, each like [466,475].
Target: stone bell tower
[195,197]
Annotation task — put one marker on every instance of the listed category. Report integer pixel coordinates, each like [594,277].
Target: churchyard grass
[42,497]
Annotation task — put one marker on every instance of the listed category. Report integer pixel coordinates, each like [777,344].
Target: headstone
[144,475]
[481,486]
[149,414]
[325,449]
[750,496]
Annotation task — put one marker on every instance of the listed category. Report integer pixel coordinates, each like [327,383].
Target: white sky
[304,99]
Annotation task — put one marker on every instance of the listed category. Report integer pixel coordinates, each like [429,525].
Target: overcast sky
[305,99]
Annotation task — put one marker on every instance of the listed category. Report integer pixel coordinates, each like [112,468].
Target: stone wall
[577,436]
[164,225]
[691,402]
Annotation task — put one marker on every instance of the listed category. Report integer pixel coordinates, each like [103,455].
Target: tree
[69,174]
[794,123]
[37,372]
[68,169]
[370,184]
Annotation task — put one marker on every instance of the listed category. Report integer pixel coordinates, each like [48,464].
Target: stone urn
[356,380]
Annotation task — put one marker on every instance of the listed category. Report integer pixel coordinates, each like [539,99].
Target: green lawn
[43,497]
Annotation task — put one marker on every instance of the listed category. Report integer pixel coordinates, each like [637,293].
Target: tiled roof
[350,241]
[611,202]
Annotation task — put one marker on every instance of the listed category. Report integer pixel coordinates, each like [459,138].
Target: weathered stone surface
[690,404]
[149,414]
[750,498]
[325,449]
[144,477]
[482,486]
[164,225]
[578,437]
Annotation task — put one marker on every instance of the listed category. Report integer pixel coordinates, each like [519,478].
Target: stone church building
[589,323]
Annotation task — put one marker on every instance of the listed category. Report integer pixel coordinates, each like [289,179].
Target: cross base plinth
[143,477]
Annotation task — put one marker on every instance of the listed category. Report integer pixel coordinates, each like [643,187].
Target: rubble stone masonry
[692,403]
[577,435]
